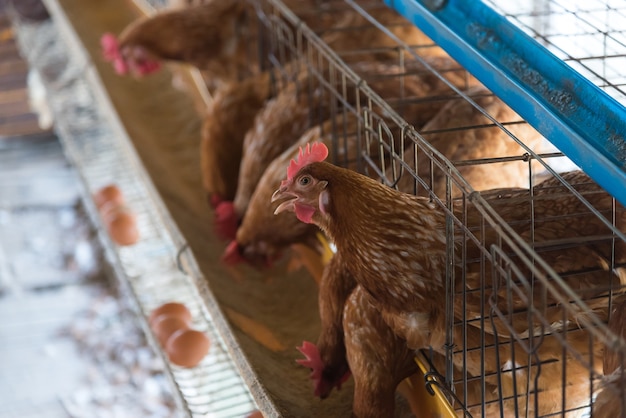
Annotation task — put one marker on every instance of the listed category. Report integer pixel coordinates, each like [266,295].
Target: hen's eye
[305,180]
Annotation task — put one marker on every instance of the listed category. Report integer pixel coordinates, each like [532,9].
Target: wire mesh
[587,35]
[537,249]
[536,256]
[149,270]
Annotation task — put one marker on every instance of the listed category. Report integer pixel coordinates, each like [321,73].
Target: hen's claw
[312,359]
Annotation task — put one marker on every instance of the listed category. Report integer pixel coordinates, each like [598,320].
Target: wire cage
[535,253]
[588,36]
[150,272]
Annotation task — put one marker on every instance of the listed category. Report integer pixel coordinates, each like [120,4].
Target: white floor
[68,346]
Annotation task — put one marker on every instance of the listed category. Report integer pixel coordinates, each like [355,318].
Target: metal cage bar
[511,300]
[588,36]
[147,271]
[515,265]
[584,122]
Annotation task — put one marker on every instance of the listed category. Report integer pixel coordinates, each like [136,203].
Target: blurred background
[69,345]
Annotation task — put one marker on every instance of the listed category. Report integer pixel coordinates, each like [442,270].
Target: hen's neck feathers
[394,243]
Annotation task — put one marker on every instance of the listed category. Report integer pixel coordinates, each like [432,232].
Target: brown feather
[611,399]
[617,324]
[335,288]
[215,36]
[206,35]
[461,132]
[402,268]
[260,230]
[378,359]
[228,117]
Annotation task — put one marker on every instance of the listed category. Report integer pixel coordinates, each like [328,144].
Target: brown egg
[121,224]
[255,414]
[110,193]
[164,326]
[171,309]
[187,347]
[108,209]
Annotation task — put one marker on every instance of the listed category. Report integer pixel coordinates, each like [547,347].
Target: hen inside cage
[535,247]
[519,268]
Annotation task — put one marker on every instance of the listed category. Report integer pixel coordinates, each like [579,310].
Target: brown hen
[378,358]
[217,36]
[204,35]
[228,117]
[402,268]
[327,359]
[285,118]
[262,236]
[259,239]
[463,134]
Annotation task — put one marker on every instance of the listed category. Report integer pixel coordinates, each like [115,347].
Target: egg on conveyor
[187,347]
[121,224]
[109,193]
[164,326]
[171,309]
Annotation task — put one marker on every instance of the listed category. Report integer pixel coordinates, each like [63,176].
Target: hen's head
[259,254]
[128,58]
[307,195]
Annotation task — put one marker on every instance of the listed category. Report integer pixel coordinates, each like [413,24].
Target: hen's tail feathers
[226,222]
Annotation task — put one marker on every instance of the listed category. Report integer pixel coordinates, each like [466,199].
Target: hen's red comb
[215,199]
[311,154]
[232,255]
[109,45]
[111,53]
[226,222]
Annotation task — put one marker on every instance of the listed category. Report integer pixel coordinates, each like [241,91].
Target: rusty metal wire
[521,300]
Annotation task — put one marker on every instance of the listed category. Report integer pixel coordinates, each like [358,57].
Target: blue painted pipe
[579,118]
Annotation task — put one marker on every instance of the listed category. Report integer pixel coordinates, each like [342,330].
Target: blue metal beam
[581,120]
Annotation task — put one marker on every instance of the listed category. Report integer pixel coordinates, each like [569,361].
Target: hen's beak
[287,205]
[278,194]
